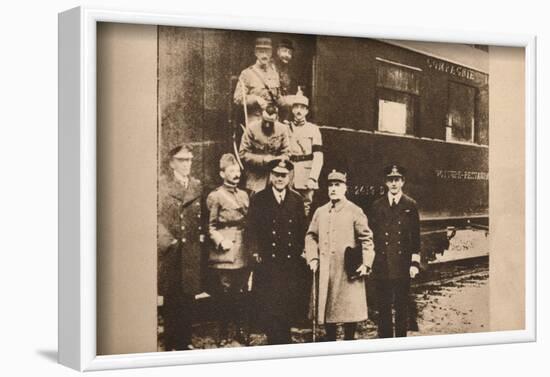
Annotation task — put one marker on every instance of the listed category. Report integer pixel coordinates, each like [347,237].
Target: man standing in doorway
[396,227]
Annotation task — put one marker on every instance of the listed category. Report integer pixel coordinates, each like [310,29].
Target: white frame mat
[77,191]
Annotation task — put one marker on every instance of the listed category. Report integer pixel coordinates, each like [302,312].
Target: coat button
[387,243]
[289,233]
[183,227]
[183,240]
[399,222]
[289,220]
[399,242]
[398,232]
[399,252]
[289,244]
[387,234]
[273,244]
[274,232]
[272,255]
[200,227]
[181,215]
[199,216]
[288,256]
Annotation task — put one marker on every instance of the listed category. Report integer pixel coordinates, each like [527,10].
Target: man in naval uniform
[276,230]
[259,86]
[180,238]
[395,224]
[305,150]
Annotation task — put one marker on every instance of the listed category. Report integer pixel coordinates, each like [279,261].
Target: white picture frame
[77,191]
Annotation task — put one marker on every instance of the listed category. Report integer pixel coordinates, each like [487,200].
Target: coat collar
[176,190]
[338,205]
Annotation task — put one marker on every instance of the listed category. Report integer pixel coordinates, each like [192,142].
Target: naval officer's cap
[281,165]
[394,171]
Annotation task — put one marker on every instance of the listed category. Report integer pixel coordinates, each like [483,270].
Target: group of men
[263,238]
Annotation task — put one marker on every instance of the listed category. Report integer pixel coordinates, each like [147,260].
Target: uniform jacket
[396,236]
[306,153]
[331,231]
[227,207]
[276,232]
[256,146]
[252,82]
[180,236]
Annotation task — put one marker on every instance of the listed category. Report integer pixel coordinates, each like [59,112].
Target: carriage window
[397,96]
[461,115]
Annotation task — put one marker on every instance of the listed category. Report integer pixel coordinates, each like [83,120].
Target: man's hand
[226,245]
[413,271]
[314,265]
[261,102]
[363,270]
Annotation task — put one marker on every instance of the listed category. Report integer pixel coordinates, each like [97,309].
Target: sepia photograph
[319,188]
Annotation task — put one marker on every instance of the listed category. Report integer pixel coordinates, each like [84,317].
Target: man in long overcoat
[276,229]
[179,239]
[396,227]
[337,225]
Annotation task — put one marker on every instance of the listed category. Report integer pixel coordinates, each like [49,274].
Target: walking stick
[314,295]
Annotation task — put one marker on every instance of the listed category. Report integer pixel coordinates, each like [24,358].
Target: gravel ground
[449,305]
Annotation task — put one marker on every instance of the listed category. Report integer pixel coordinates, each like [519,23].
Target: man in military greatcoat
[276,229]
[179,238]
[396,226]
[306,150]
[259,85]
[264,140]
[336,226]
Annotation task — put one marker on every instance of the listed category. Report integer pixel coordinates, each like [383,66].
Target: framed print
[236,190]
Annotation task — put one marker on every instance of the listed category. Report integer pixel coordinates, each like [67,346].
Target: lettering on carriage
[452,69]
[462,175]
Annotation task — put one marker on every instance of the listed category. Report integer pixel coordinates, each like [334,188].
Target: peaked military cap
[181,151]
[286,43]
[394,171]
[338,176]
[263,43]
[281,165]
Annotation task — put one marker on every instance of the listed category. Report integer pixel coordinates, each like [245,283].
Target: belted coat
[331,231]
[276,233]
[180,236]
[396,237]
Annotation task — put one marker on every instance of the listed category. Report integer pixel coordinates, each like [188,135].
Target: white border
[77,323]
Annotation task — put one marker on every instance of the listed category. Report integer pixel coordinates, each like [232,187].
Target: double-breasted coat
[276,233]
[180,236]
[396,237]
[332,230]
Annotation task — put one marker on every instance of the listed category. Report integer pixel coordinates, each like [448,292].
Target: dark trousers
[349,331]
[228,287]
[392,292]
[278,331]
[178,312]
